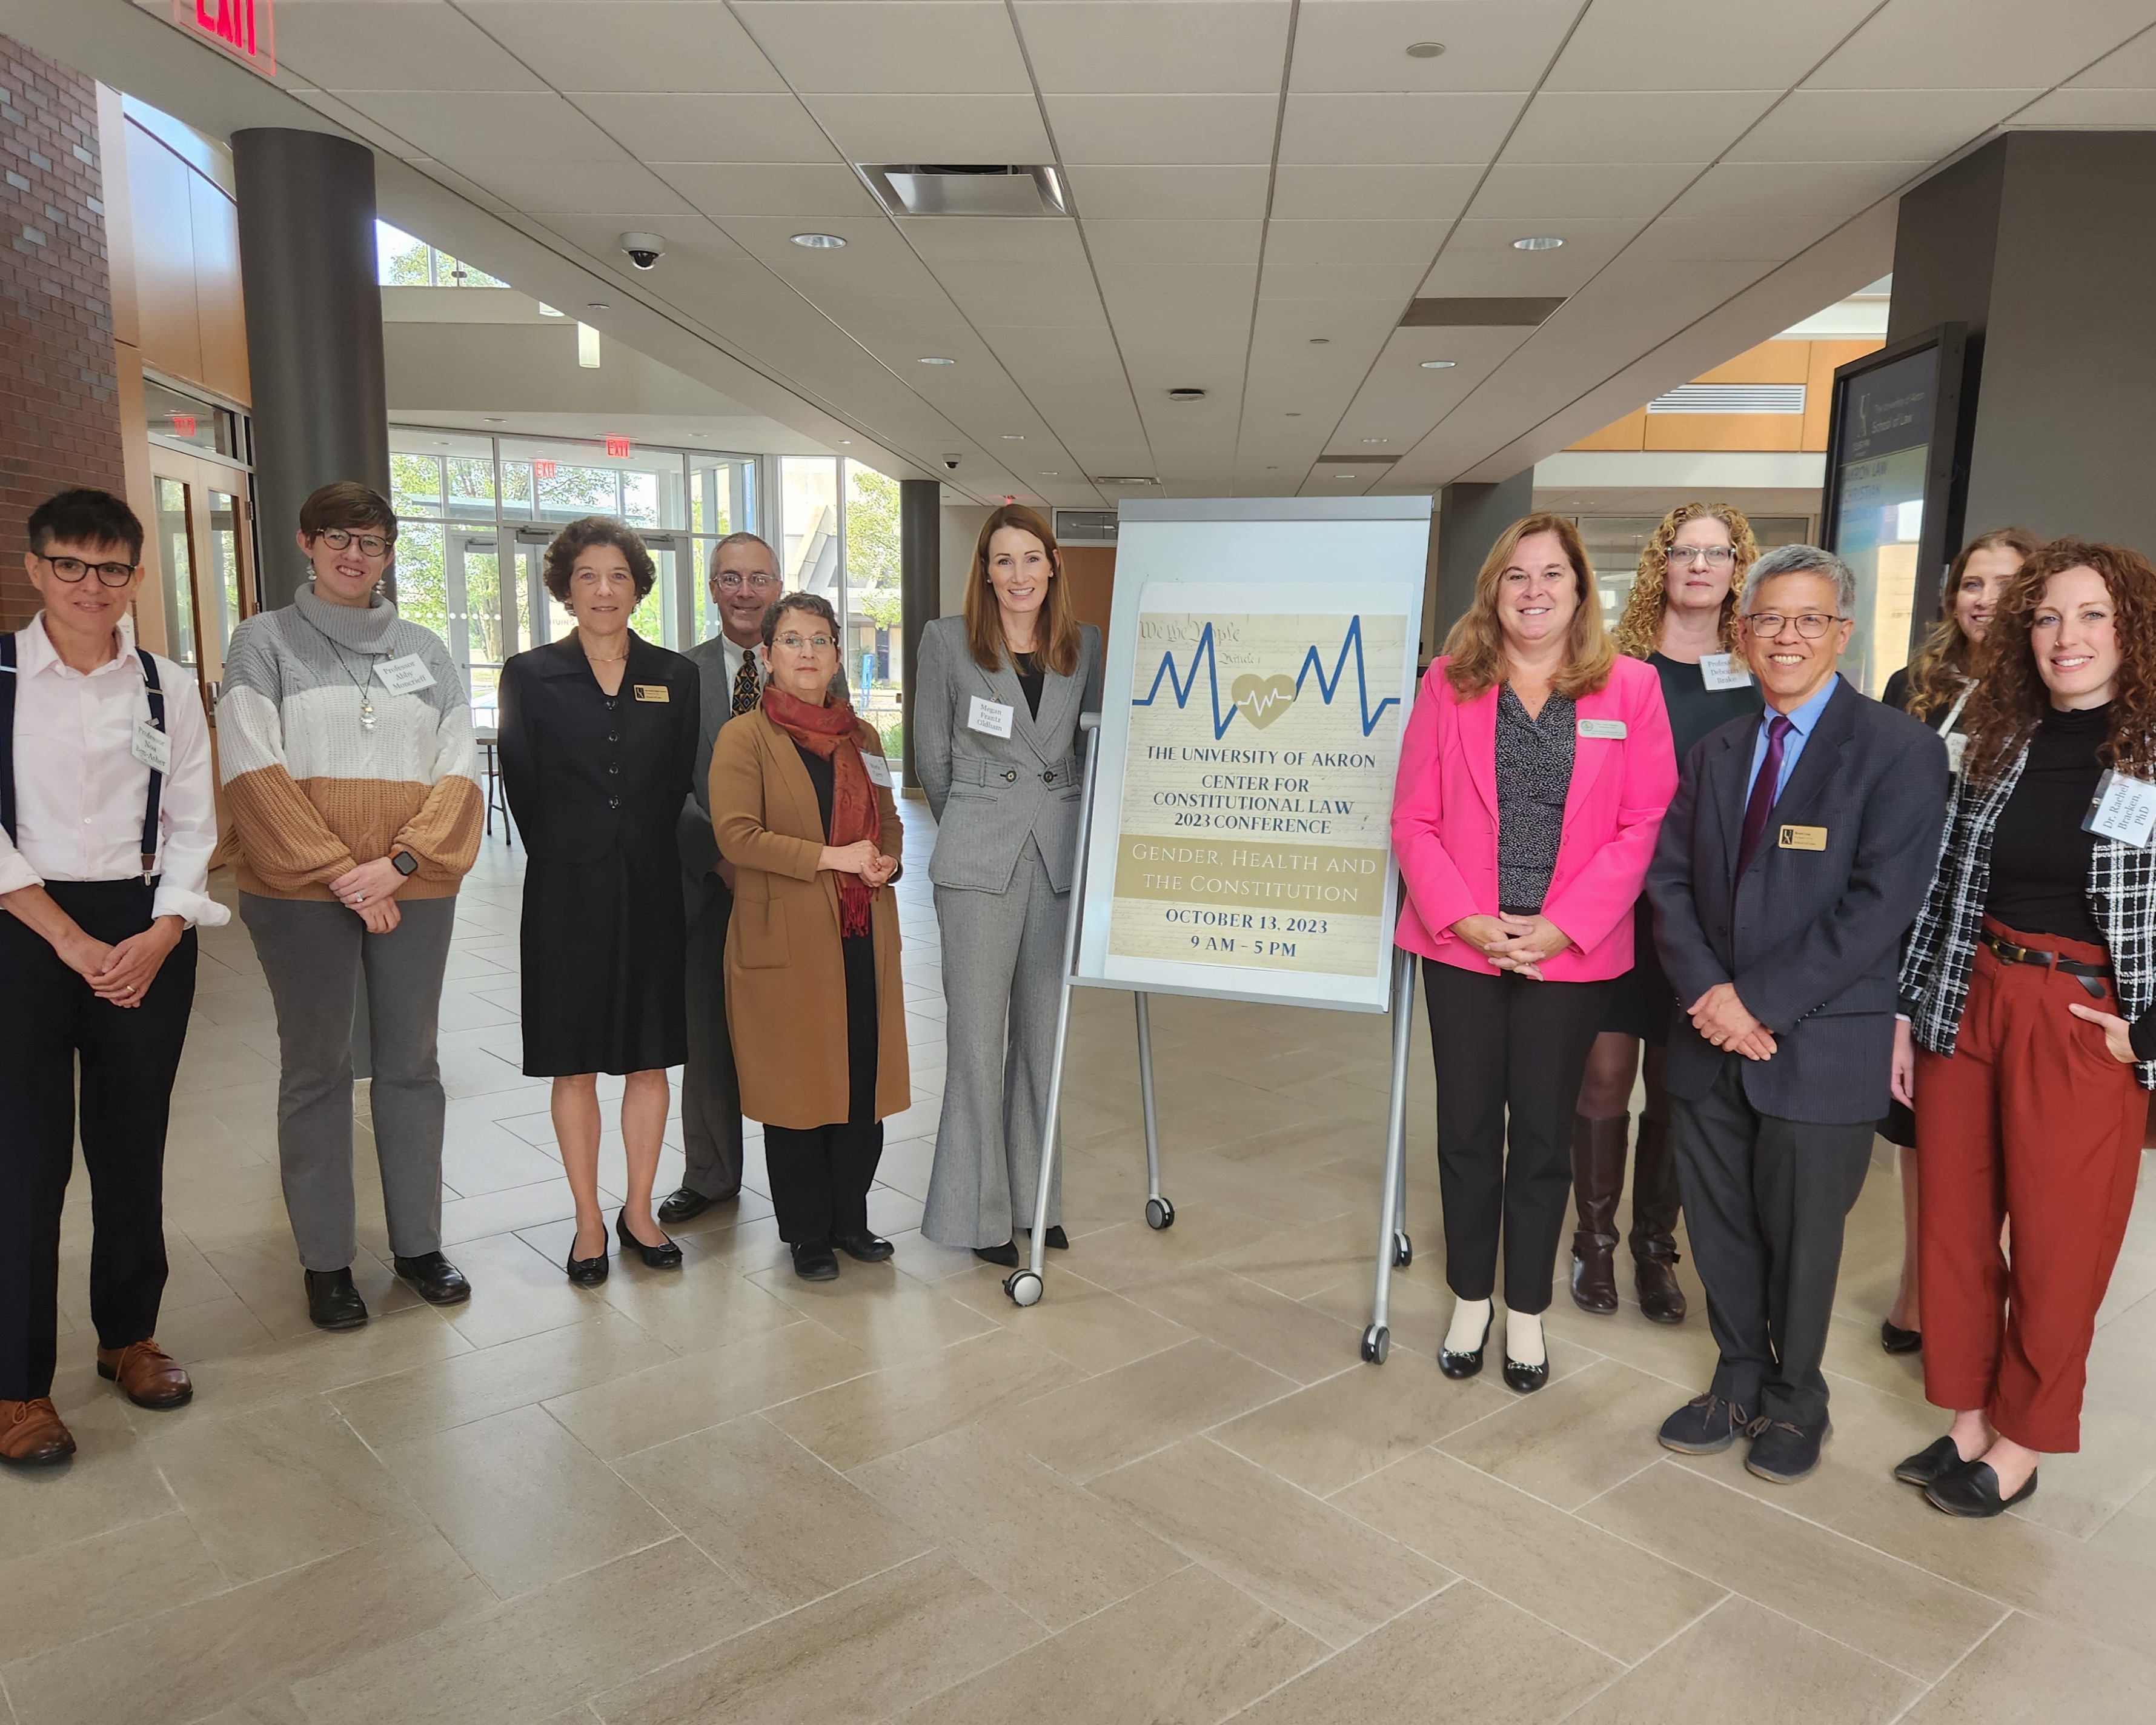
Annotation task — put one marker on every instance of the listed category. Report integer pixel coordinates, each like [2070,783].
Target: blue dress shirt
[1800,729]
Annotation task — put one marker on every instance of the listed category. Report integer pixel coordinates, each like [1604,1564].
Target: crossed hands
[1723,1020]
[862,857]
[121,973]
[1514,943]
[369,892]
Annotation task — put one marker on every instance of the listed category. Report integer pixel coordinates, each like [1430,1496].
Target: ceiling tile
[620,45]
[1049,242]
[1039,297]
[538,125]
[1181,190]
[1624,45]
[1326,127]
[1163,128]
[1204,242]
[932,128]
[872,47]
[801,190]
[339,45]
[1350,245]
[1360,45]
[1480,259]
[1876,125]
[552,188]
[1635,125]
[1402,193]
[1978,44]
[2135,108]
[1335,282]
[1084,46]
[667,127]
[1547,191]
[2130,66]
[1724,239]
[1754,189]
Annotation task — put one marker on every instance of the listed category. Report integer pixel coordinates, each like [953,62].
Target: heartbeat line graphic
[1311,666]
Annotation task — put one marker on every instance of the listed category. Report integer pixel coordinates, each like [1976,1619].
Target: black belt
[2006,952]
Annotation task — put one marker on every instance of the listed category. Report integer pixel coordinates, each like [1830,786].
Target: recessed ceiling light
[1320,341]
[1537,243]
[1377,439]
[820,242]
[699,433]
[1052,474]
[495,419]
[1424,50]
[1295,416]
[845,442]
[1439,365]
[932,359]
[1013,437]
[1343,476]
[598,305]
[1186,395]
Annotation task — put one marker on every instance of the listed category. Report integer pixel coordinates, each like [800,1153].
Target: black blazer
[586,771]
[1810,938]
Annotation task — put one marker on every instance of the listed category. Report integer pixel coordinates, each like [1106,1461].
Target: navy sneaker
[1705,1425]
[1783,1451]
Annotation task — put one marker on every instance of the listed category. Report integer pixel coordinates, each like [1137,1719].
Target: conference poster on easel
[1261,664]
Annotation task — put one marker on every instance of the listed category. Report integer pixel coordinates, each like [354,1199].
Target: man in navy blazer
[1796,854]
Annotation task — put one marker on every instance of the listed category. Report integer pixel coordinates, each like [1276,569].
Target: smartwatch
[405,863]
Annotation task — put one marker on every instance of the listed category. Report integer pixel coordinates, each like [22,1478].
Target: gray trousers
[710,1092]
[1003,961]
[312,953]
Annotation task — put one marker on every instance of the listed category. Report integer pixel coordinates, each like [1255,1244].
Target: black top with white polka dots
[1534,772]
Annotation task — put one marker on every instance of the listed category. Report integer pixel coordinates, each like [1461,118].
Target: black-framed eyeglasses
[734,582]
[1811,625]
[372,545]
[72,569]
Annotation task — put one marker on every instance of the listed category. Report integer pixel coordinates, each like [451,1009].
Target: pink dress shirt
[79,792]
[1445,822]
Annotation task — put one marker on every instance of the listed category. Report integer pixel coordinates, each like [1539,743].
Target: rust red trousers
[2030,1120]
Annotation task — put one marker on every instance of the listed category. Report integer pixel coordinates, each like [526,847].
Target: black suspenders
[7,684]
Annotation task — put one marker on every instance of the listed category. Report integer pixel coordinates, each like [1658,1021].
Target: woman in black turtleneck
[2029,996]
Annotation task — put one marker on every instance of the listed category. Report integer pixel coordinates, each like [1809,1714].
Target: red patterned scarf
[832,731]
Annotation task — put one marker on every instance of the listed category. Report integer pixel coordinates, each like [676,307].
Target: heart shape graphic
[1263,698]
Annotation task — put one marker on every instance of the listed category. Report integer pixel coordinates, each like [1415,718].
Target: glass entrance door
[202,549]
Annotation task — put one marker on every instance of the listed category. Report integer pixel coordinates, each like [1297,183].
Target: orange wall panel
[1629,433]
[1819,386]
[1724,431]
[163,217]
[219,309]
[1769,362]
[1091,570]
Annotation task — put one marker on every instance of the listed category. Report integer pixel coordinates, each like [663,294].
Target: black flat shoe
[434,1279]
[1934,1461]
[659,1257]
[864,1248]
[1897,1340]
[332,1301]
[1005,1255]
[684,1205]
[1464,1365]
[1526,1379]
[1972,1492]
[814,1261]
[586,1272]
[1056,1240]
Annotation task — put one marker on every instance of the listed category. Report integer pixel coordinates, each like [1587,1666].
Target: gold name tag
[1804,838]
[652,692]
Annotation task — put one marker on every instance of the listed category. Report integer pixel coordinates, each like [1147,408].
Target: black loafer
[1783,1451]
[1897,1340]
[1705,1425]
[1972,1492]
[434,1279]
[1464,1365]
[1005,1255]
[685,1205]
[332,1301]
[814,1261]
[1526,1379]
[864,1248]
[1055,1239]
[665,1256]
[1934,1461]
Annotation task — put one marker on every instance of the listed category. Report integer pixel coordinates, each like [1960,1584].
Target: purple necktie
[1764,788]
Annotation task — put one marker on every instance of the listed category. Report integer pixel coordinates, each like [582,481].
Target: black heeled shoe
[586,1272]
[1897,1340]
[659,1257]
[1056,1240]
[1006,1254]
[1464,1365]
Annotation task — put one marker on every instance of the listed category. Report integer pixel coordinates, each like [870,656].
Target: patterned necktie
[748,690]
[1764,790]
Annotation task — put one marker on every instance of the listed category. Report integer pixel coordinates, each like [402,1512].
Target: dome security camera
[951,462]
[645,249]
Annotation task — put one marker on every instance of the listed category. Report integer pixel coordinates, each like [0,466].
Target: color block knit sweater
[310,791]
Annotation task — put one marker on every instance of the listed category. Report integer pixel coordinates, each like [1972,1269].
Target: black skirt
[605,946]
[1642,1000]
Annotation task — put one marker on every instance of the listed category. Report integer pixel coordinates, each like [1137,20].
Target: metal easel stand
[1026,1284]
[1394,1248]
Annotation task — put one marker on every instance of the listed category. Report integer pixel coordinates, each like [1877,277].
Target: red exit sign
[241,28]
[618,447]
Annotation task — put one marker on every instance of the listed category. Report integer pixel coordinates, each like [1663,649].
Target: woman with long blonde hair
[1682,620]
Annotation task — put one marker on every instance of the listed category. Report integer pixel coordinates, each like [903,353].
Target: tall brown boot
[1655,1223]
[1598,1178]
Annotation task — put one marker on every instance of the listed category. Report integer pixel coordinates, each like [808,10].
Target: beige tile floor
[1171,1492]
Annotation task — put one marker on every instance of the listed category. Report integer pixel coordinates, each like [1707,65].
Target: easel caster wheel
[1159,1212]
[1403,1251]
[1023,1287]
[1377,1343]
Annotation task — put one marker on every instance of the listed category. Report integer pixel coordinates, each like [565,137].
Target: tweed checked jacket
[1941,946]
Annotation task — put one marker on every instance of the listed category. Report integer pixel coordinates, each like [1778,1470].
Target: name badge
[992,718]
[405,674]
[1721,670]
[878,769]
[652,692]
[1804,839]
[1612,729]
[1957,747]
[151,746]
[2123,809]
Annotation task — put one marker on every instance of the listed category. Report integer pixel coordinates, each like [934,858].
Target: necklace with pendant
[363,683]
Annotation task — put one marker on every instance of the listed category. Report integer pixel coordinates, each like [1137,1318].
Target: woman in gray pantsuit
[995,740]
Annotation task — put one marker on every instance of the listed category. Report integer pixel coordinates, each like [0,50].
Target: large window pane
[871,622]
[176,565]
[808,508]
[401,261]
[422,588]
[224,567]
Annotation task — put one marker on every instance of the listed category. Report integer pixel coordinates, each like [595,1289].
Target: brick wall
[59,412]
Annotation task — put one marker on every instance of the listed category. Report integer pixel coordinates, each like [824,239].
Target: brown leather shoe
[147,1375]
[1597,1180]
[31,1434]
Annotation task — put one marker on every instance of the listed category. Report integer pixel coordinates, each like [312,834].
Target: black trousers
[49,1021]
[711,1092]
[1764,1202]
[820,1175]
[1509,1054]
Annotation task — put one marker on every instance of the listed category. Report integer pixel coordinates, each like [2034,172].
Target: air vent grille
[1731,398]
[1477,314]
[1085,527]
[945,188]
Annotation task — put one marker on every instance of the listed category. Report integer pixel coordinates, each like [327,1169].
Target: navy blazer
[1811,938]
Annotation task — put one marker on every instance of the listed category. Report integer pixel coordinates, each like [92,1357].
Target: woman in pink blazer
[1533,776]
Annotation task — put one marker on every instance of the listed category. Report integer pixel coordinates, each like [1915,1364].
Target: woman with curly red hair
[2028,1029]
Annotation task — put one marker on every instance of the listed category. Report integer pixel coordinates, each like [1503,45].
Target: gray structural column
[313,329]
[919,580]
[2044,243]
[1470,517]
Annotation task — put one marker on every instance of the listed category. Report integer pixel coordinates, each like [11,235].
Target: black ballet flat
[1464,1365]
[1006,1254]
[1897,1340]
[1526,1379]
[1934,1461]
[1056,1240]
[1972,1492]
[659,1257]
[586,1272]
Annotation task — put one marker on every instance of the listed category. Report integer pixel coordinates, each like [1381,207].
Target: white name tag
[992,718]
[1957,747]
[407,674]
[2123,809]
[151,746]
[1612,729]
[1721,670]
[879,768]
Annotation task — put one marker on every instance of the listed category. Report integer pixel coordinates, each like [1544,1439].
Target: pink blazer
[1445,823]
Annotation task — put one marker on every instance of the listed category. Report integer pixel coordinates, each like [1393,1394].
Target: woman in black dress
[598,741]
[1681,619]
